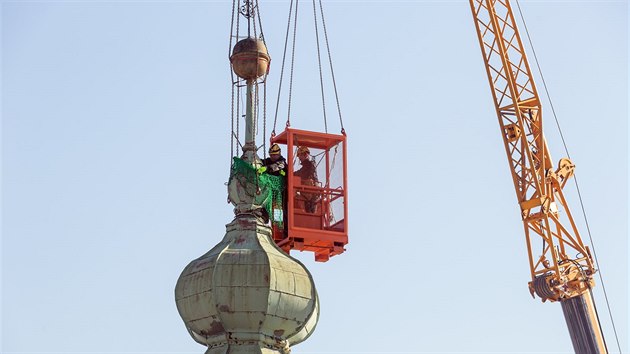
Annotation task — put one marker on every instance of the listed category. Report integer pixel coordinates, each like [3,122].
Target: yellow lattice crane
[563,270]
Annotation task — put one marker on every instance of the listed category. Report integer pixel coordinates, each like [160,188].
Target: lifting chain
[233,83]
[232,132]
[238,113]
[265,118]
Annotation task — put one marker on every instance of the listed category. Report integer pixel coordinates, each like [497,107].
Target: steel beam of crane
[563,270]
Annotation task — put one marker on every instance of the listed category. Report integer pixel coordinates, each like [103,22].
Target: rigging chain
[265,118]
[235,81]
[250,11]
[254,109]
[264,82]
[232,77]
[238,112]
[232,132]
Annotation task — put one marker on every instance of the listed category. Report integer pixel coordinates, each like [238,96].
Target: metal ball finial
[250,59]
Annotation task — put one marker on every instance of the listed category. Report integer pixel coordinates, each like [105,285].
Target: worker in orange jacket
[308,175]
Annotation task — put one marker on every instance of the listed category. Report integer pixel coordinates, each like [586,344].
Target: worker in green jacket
[276,165]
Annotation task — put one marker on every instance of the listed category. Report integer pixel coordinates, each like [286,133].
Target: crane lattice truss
[564,268]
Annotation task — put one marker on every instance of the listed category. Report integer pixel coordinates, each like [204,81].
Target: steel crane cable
[332,72]
[297,3]
[566,149]
[319,62]
[232,132]
[284,56]
[262,33]
[293,15]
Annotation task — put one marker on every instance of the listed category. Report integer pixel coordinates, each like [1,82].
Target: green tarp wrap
[270,187]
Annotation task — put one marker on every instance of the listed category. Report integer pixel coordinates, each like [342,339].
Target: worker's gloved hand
[261,170]
[282,173]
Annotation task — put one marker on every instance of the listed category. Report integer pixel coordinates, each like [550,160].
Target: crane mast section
[564,267]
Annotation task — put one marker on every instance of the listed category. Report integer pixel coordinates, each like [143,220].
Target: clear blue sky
[115,151]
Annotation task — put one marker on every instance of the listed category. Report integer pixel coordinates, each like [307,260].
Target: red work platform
[317,209]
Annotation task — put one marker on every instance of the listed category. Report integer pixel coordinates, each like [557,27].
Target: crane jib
[562,269]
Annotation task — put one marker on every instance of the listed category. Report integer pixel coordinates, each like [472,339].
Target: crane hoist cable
[332,72]
[566,149]
[297,3]
[319,63]
[284,56]
[292,20]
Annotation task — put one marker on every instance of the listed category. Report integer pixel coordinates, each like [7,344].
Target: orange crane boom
[563,270]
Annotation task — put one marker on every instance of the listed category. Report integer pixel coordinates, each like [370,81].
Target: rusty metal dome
[250,59]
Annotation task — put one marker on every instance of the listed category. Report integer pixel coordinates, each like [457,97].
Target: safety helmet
[274,149]
[303,150]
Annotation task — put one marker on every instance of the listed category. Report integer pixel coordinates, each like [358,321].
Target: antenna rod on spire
[250,118]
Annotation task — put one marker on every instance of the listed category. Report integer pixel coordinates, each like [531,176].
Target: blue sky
[115,151]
